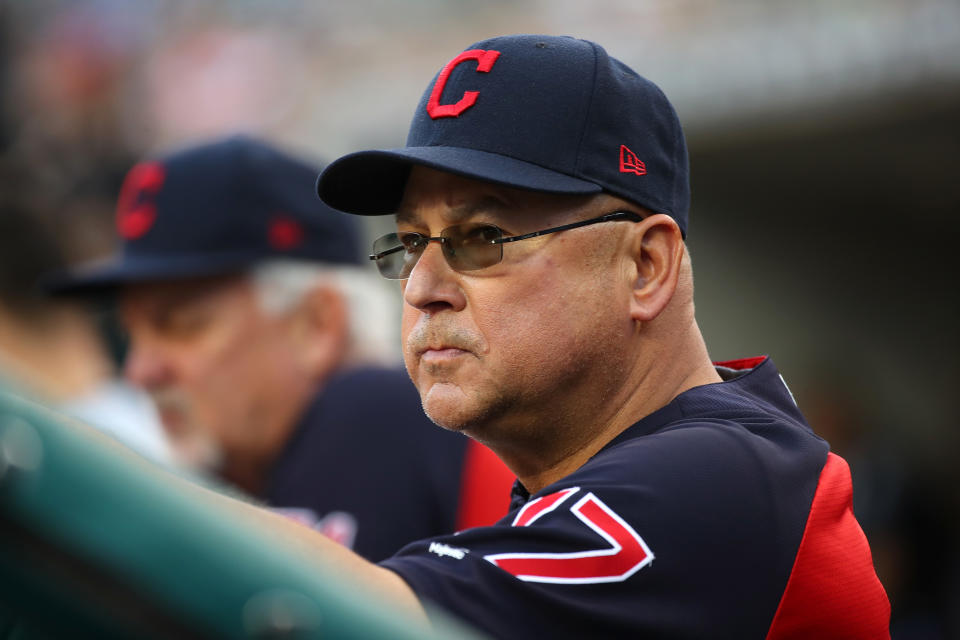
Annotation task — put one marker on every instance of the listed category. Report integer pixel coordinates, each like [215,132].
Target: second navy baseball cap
[216,208]
[546,113]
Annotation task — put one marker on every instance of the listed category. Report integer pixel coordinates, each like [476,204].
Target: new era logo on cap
[284,233]
[545,113]
[630,163]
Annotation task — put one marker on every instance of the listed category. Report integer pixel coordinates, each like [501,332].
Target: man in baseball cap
[541,204]
[265,344]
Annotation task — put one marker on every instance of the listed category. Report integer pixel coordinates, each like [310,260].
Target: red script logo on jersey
[626,555]
[136,209]
[485,60]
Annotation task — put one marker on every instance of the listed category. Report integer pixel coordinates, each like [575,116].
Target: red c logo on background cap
[485,60]
[136,209]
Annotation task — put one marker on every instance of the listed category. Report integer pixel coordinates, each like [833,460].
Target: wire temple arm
[616,215]
[377,256]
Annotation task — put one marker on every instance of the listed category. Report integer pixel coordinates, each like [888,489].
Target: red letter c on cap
[136,208]
[485,60]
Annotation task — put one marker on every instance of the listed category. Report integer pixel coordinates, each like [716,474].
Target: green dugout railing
[97,542]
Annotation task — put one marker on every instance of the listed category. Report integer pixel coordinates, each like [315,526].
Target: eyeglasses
[466,247]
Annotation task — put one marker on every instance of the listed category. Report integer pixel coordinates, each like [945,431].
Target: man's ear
[320,331]
[657,251]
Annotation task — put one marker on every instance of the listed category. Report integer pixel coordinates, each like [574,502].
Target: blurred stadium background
[824,139]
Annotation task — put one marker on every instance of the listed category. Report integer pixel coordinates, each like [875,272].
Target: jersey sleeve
[851,603]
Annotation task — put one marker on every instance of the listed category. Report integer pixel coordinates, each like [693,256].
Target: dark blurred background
[823,136]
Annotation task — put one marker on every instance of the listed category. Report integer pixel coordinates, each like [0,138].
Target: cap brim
[371,183]
[104,277]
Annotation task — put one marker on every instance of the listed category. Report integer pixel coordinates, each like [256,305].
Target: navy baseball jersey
[721,515]
[367,468]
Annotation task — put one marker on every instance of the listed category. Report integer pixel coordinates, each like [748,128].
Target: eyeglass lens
[466,247]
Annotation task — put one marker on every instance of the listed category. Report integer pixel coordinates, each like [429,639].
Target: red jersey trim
[484,488]
[833,591]
[741,363]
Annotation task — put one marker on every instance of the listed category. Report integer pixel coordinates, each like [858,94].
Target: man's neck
[251,479]
[665,376]
[251,471]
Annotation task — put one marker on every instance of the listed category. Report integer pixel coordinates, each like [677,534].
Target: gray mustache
[431,335]
[170,399]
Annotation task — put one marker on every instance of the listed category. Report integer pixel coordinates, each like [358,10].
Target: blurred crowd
[89,88]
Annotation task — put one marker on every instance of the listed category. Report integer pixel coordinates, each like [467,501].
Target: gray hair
[372,305]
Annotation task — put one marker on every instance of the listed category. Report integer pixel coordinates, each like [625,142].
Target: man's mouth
[441,354]
[171,409]
[437,344]
[172,420]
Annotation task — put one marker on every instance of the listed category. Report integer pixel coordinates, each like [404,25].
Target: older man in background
[268,350]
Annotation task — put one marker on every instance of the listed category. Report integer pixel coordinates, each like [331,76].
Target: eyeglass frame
[613,216]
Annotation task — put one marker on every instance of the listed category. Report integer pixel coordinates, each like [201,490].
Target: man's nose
[433,285]
[146,366]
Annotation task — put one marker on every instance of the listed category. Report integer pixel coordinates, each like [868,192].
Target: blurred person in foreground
[52,349]
[267,347]
[541,206]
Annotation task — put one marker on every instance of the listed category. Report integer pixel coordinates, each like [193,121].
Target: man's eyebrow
[199,291]
[459,213]
[405,216]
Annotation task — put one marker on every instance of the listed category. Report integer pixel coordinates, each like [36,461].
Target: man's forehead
[452,210]
[181,291]
[458,198]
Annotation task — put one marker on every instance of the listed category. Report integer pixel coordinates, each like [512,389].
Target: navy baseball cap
[216,208]
[545,113]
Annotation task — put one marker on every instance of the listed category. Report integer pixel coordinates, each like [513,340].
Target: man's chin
[197,453]
[449,407]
